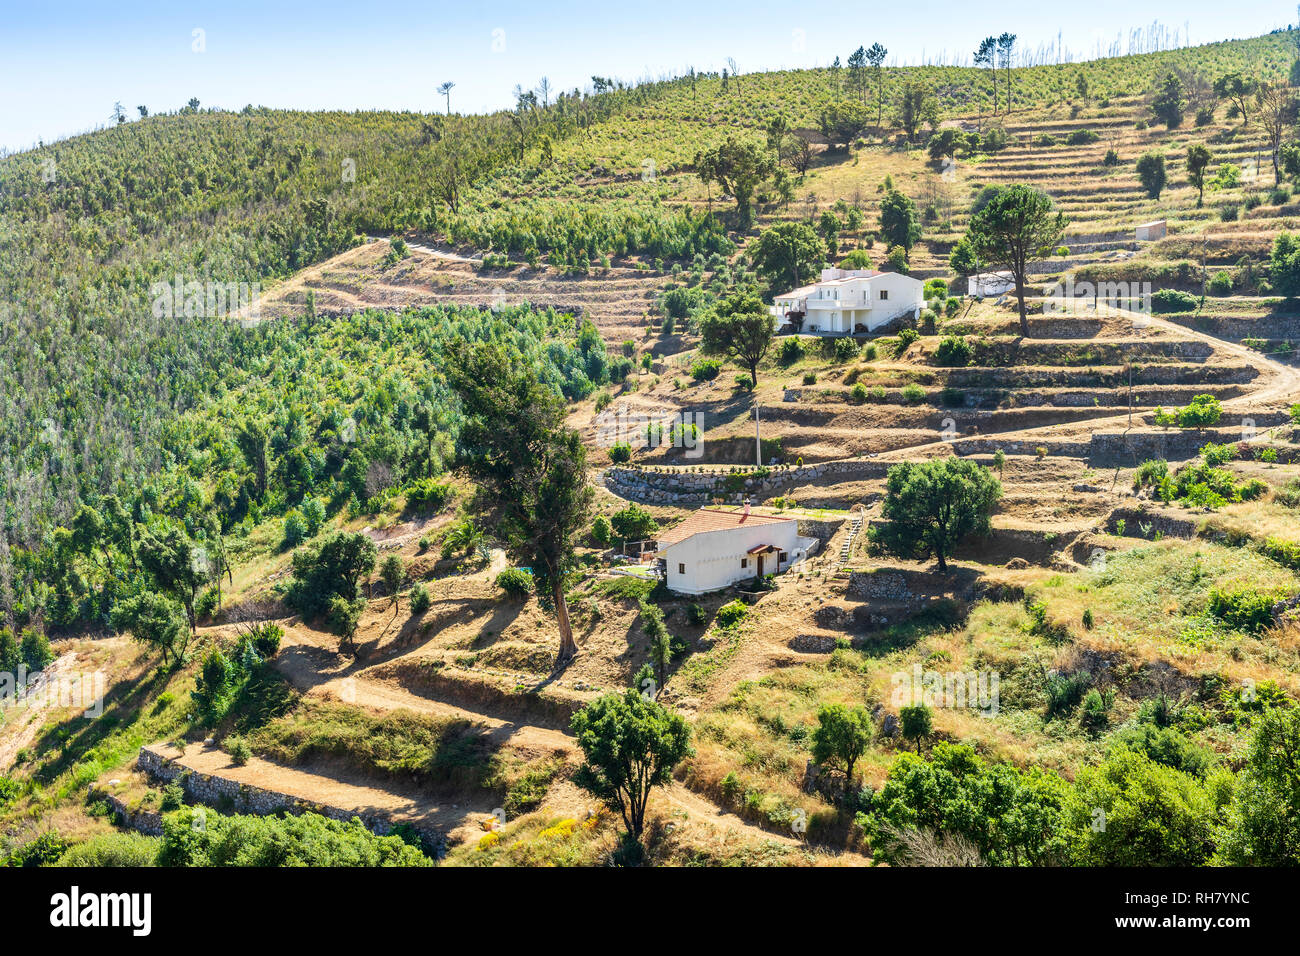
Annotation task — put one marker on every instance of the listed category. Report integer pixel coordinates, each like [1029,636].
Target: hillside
[1133,594]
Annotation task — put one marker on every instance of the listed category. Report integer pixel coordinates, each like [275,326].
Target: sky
[64,65]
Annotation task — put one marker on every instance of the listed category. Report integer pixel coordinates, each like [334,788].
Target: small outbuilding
[717,547]
[983,284]
[1153,230]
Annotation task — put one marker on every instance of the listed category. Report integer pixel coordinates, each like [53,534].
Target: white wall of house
[714,560]
[892,293]
[840,307]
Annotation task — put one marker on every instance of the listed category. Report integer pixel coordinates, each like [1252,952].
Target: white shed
[983,284]
[717,547]
[1153,230]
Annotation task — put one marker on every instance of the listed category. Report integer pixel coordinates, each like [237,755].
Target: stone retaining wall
[214,790]
[666,486]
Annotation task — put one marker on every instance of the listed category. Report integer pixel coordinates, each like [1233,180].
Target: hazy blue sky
[63,65]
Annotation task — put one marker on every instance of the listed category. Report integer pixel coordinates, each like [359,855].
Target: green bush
[427,496]
[732,613]
[421,601]
[239,750]
[706,370]
[791,350]
[1203,411]
[913,394]
[308,839]
[113,850]
[1172,300]
[266,638]
[620,453]
[1220,284]
[954,351]
[516,582]
[634,523]
[905,340]
[1242,609]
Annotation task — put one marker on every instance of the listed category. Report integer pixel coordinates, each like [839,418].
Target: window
[884,293]
[744,562]
[681,569]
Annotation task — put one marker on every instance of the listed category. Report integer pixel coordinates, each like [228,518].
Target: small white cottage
[1153,230]
[717,547]
[983,284]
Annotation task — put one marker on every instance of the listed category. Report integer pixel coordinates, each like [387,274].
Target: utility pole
[1130,396]
[758,442]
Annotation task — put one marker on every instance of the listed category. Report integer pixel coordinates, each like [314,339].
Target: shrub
[905,340]
[602,532]
[706,370]
[1111,158]
[1173,300]
[1203,411]
[634,523]
[112,850]
[695,614]
[266,638]
[810,378]
[791,350]
[1243,609]
[428,496]
[516,582]
[1151,173]
[1220,284]
[295,529]
[1080,137]
[1218,454]
[913,394]
[239,750]
[620,453]
[732,613]
[420,599]
[859,393]
[308,839]
[954,351]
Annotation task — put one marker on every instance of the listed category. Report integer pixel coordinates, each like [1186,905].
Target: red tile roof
[715,519]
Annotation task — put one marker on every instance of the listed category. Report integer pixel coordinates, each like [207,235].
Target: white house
[1153,230]
[716,547]
[990,283]
[849,301]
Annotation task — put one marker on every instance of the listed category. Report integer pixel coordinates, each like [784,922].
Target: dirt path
[319,672]
[315,671]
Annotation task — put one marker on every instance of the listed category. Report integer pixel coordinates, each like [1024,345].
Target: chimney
[745,513]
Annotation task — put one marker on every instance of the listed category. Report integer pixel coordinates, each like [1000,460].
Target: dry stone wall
[215,790]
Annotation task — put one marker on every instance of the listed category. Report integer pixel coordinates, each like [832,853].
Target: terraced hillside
[1134,594]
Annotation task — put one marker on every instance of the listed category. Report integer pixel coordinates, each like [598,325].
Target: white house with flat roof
[717,547]
[850,302]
